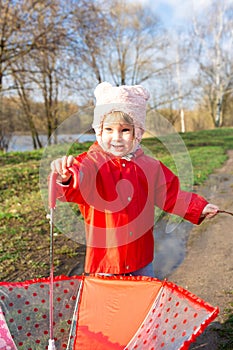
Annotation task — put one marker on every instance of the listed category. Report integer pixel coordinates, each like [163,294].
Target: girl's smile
[117,137]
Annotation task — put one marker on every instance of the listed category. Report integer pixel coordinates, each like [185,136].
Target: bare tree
[213,47]
[86,44]
[135,45]
[45,80]
[19,36]
[120,42]
[38,73]
[9,51]
[20,82]
[180,91]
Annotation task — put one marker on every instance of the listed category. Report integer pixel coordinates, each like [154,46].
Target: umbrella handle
[52,190]
[52,185]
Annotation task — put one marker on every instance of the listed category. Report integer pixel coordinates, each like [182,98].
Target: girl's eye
[125,130]
[108,129]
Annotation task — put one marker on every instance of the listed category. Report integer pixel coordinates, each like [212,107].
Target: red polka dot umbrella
[101,313]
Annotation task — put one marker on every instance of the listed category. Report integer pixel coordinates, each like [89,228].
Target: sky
[176,12]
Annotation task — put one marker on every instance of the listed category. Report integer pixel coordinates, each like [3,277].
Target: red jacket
[116,197]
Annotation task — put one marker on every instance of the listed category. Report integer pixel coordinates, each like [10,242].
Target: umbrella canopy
[99,312]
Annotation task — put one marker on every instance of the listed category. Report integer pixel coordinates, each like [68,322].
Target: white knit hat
[128,99]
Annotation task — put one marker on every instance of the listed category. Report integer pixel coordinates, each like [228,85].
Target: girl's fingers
[64,165]
[61,166]
[210,210]
[56,166]
[70,161]
[67,162]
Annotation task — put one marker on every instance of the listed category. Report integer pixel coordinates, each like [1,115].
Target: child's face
[117,136]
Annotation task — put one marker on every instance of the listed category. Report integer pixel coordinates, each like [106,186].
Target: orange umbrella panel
[138,313]
[113,309]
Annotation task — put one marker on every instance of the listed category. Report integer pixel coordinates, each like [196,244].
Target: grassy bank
[24,229]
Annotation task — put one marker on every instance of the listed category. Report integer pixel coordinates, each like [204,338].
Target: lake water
[21,143]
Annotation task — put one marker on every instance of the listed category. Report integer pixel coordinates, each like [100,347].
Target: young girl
[118,186]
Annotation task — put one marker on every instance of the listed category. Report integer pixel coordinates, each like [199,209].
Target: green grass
[206,149]
[227,334]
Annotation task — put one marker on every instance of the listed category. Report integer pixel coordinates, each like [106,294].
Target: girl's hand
[210,210]
[61,167]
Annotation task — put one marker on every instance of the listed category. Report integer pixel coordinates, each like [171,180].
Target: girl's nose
[116,135]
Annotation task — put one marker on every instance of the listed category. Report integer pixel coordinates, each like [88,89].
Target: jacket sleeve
[170,198]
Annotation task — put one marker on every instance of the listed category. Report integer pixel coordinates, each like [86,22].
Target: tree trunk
[218,117]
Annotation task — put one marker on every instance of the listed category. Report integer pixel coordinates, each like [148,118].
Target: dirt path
[207,270]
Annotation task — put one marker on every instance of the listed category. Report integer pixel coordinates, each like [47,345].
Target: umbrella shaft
[51,274]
